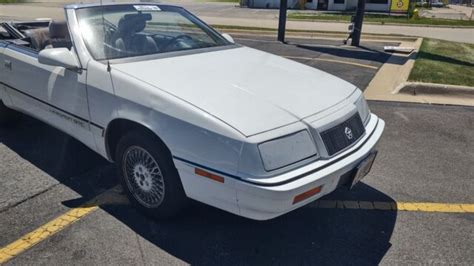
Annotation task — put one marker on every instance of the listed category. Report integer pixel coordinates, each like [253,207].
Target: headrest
[39,38]
[58,29]
[132,23]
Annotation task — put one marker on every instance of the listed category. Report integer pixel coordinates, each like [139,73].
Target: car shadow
[364,53]
[205,235]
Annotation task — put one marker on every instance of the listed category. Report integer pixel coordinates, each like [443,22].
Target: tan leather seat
[59,34]
[39,38]
[129,41]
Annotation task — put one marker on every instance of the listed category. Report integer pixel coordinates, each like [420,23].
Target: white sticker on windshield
[146,8]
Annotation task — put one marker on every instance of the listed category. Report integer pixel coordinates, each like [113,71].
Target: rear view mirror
[58,57]
[228,37]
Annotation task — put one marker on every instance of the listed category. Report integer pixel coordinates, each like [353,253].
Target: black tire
[7,116]
[137,178]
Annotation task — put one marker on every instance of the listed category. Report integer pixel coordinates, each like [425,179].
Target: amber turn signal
[307,194]
[214,177]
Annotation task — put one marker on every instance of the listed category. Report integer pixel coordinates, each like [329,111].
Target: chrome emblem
[348,133]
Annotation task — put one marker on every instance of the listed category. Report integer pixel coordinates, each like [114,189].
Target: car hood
[250,90]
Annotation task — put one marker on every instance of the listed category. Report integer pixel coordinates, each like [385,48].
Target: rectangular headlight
[363,109]
[287,150]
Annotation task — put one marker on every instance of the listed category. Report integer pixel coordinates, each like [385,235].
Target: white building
[331,5]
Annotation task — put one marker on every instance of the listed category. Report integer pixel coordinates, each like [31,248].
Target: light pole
[359,18]
[282,20]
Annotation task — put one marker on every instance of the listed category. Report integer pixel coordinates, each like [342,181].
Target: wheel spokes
[143,177]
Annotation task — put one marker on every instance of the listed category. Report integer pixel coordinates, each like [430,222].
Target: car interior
[37,35]
[129,36]
[135,34]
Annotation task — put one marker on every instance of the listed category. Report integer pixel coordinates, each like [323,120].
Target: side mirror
[58,57]
[228,37]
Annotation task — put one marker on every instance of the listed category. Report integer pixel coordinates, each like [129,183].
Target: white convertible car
[185,112]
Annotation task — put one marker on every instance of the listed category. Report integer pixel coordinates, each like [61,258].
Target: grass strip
[444,62]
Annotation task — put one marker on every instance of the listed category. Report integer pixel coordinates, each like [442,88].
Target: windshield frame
[166,54]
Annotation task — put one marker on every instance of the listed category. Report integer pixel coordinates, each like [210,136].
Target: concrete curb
[390,84]
[394,71]
[311,34]
[445,90]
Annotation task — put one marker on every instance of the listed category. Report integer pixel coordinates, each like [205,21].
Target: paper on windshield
[146,8]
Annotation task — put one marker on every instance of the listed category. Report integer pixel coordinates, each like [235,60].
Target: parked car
[422,3]
[185,112]
[434,3]
[437,4]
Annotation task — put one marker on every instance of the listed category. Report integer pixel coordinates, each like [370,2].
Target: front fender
[187,131]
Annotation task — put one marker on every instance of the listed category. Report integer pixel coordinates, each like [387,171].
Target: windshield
[112,32]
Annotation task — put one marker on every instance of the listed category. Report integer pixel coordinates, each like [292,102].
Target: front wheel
[148,175]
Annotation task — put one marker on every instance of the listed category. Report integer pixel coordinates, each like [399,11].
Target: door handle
[8,64]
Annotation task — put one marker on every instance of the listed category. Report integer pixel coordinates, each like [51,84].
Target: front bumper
[266,201]
[267,198]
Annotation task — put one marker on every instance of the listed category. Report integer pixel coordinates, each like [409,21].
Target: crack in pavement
[3,209]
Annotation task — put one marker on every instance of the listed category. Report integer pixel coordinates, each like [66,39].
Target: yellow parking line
[332,61]
[43,232]
[110,197]
[396,206]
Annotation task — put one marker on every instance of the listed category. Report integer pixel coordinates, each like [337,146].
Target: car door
[55,95]
[3,92]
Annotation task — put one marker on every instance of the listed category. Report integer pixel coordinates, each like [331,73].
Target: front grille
[343,135]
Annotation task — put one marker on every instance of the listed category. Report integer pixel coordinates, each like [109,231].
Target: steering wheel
[175,39]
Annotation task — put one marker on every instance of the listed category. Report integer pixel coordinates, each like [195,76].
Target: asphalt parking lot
[357,65]
[425,155]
